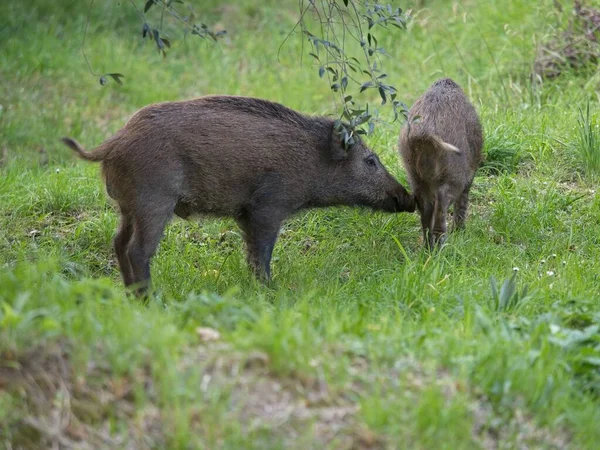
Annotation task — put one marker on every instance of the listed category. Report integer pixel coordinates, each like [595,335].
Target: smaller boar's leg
[121,243]
[442,202]
[460,208]
[148,230]
[426,211]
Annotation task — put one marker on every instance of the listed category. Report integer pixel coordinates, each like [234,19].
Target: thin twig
[141,14]
[87,23]
[300,20]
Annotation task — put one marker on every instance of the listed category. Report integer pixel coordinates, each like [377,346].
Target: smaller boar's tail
[95,155]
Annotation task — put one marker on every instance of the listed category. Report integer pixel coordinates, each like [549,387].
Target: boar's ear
[341,140]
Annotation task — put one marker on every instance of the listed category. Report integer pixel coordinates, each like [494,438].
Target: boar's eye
[370,161]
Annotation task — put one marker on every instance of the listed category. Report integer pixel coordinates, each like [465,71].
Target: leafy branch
[352,20]
[167,8]
[187,21]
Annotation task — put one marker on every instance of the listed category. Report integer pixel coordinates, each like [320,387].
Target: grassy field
[363,340]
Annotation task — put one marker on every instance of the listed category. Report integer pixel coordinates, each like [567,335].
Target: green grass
[587,143]
[364,340]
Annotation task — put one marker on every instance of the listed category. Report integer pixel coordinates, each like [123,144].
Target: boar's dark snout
[405,202]
[399,200]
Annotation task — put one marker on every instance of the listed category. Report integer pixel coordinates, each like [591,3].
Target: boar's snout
[367,182]
[399,200]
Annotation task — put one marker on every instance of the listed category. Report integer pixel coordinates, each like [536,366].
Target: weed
[587,141]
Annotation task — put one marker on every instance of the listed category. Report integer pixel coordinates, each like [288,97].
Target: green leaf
[148,5]
[158,40]
[592,360]
[371,127]
[321,71]
[10,317]
[366,85]
[362,119]
[507,291]
[382,94]
[117,77]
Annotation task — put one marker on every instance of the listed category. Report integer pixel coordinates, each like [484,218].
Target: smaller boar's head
[359,178]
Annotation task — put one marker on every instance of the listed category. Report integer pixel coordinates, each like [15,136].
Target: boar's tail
[95,155]
[434,141]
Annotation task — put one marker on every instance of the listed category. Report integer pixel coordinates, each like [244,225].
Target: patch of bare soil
[295,409]
[577,47]
[63,410]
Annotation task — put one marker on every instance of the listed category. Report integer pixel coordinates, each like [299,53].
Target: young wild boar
[441,152]
[250,159]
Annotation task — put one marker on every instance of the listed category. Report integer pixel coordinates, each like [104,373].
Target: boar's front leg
[260,228]
[261,220]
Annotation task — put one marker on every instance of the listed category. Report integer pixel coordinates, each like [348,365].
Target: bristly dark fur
[253,160]
[445,83]
[441,153]
[265,109]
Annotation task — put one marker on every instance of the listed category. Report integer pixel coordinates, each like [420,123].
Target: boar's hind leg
[121,243]
[149,225]
[460,208]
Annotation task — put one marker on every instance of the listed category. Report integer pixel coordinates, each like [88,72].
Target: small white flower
[543,261]
[550,273]
[516,269]
[57,170]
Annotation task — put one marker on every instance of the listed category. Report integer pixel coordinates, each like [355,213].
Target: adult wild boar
[250,159]
[440,145]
